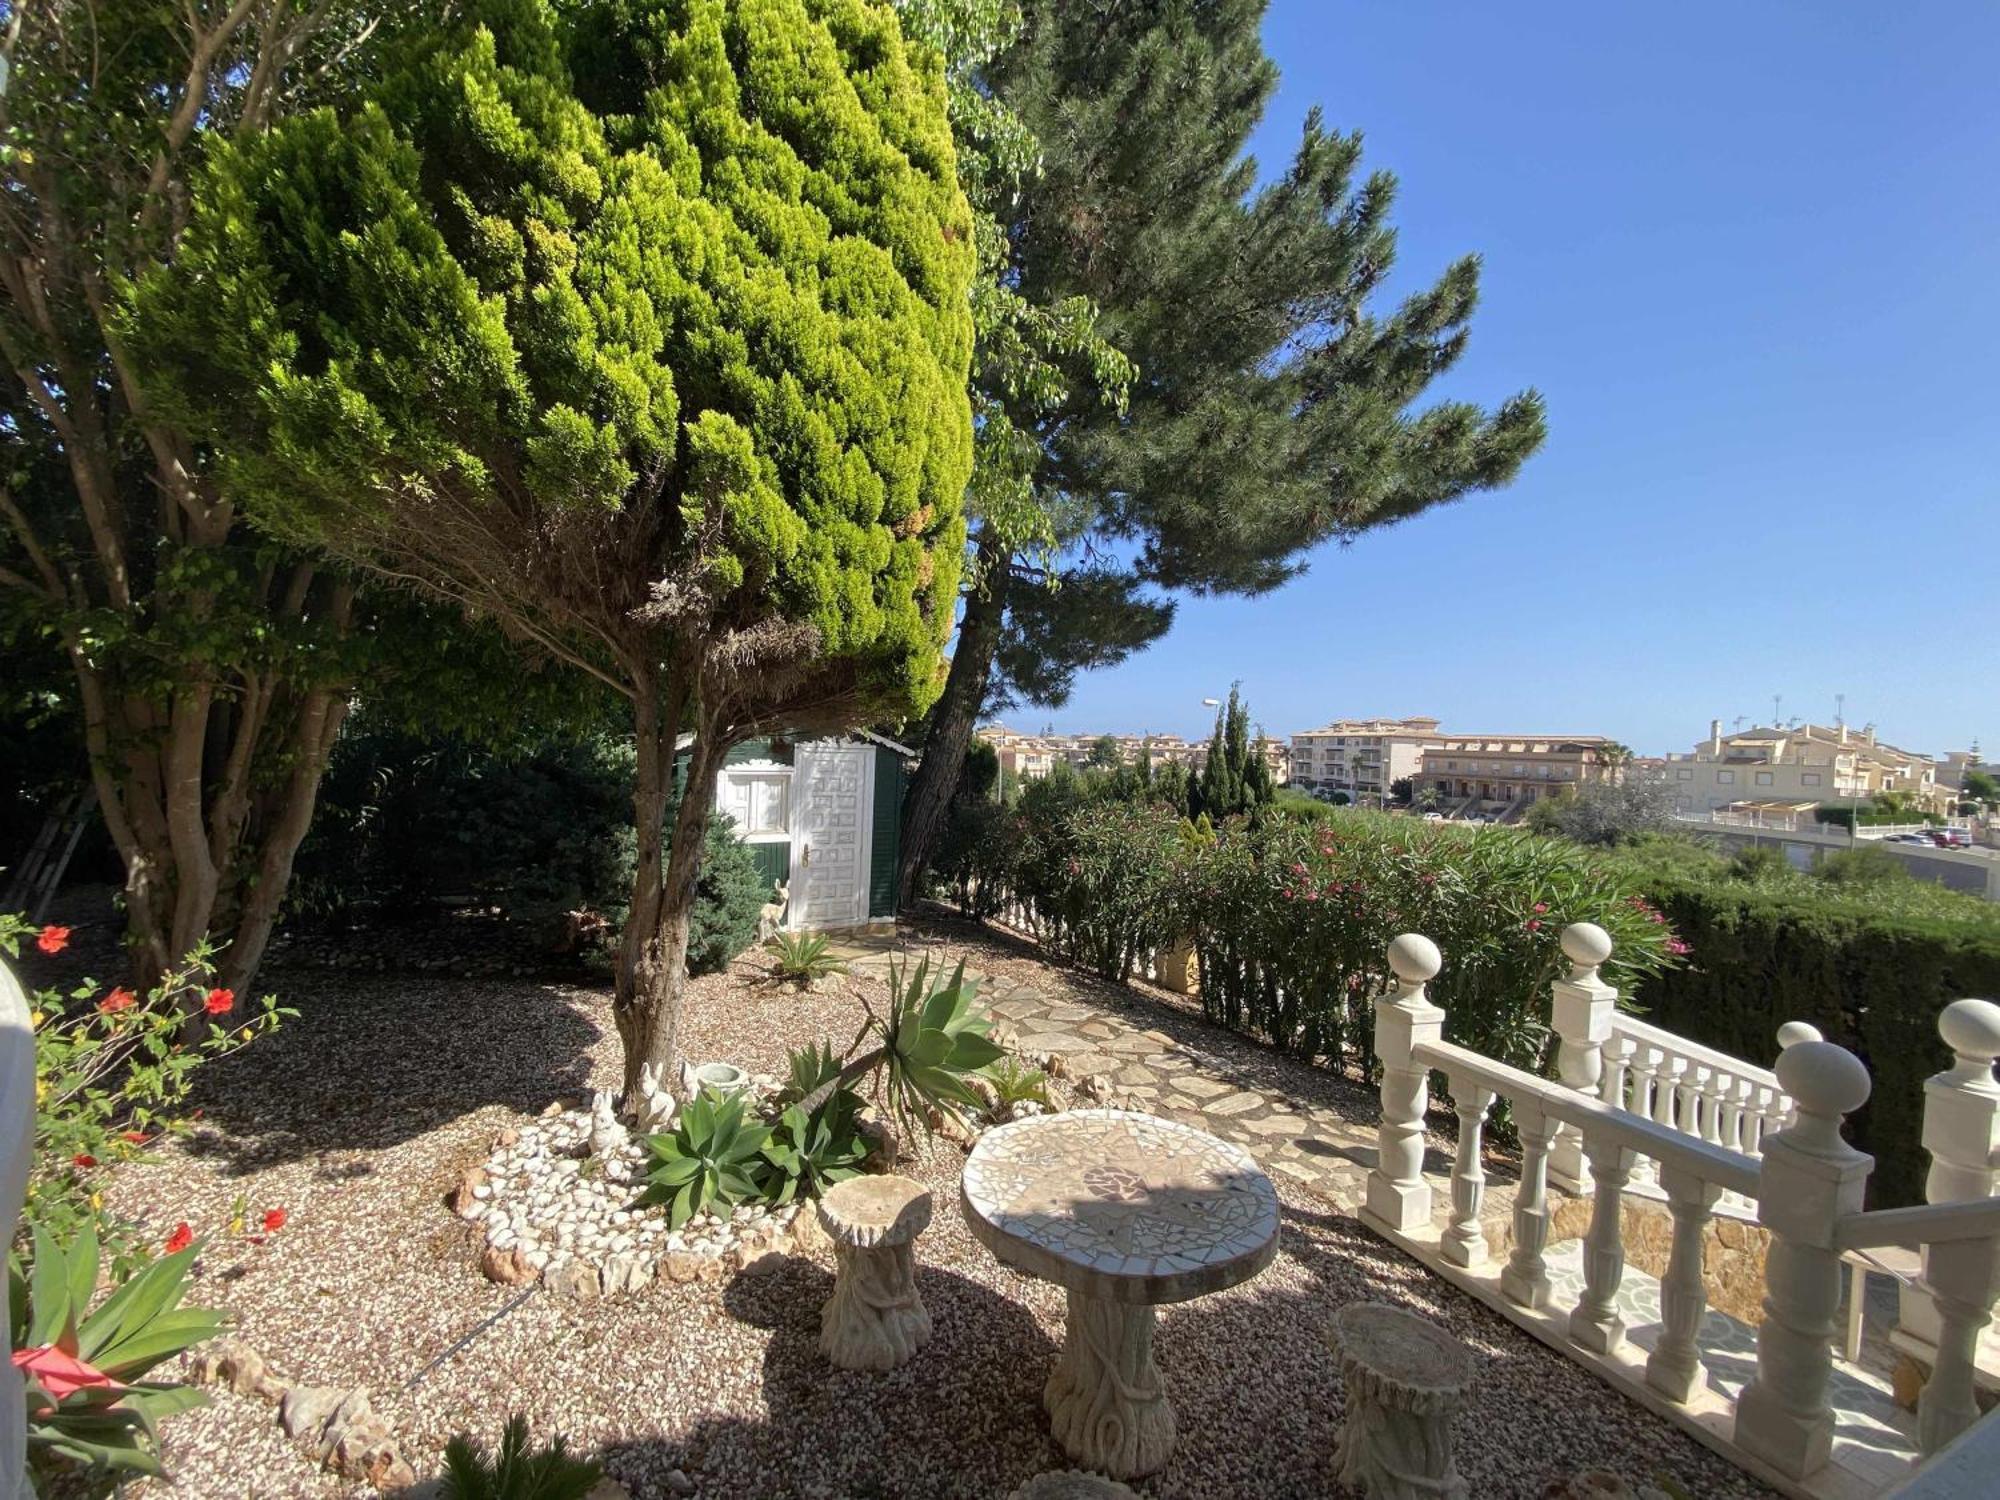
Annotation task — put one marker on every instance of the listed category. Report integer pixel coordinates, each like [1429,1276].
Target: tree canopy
[641,326]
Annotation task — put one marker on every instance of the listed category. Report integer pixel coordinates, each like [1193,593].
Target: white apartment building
[1361,757]
[1794,769]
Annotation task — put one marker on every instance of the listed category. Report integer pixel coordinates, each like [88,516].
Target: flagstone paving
[1170,1062]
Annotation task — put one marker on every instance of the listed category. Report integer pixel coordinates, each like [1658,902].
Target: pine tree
[1275,405]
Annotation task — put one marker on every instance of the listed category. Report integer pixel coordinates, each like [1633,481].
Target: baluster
[1674,1367]
[1753,1119]
[1962,1133]
[1811,1179]
[1962,1279]
[1733,1096]
[1594,1321]
[1671,1069]
[1715,1086]
[1617,1068]
[1398,1197]
[1646,1061]
[1525,1279]
[1687,1098]
[1464,1242]
[1582,1008]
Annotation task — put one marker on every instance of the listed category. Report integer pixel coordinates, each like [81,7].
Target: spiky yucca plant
[513,1473]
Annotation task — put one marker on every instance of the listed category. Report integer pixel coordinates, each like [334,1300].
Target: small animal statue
[607,1136]
[773,911]
[653,1104]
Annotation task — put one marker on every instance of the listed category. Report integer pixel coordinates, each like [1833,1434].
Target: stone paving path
[1173,1063]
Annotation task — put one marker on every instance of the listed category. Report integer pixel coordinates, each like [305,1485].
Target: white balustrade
[1719,1131]
[17,1144]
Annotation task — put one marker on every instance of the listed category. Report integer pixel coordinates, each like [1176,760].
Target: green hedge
[1871,968]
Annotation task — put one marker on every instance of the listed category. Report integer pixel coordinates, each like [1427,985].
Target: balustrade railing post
[1398,1197]
[1809,1180]
[1525,1278]
[1464,1242]
[1594,1321]
[1963,1278]
[1580,1013]
[1674,1366]
[17,1143]
[1962,1133]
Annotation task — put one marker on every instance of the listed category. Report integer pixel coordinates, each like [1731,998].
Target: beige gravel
[359,1115]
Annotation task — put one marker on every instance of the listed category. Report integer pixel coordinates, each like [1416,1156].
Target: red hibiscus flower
[1534,925]
[52,939]
[119,999]
[134,1137]
[58,1373]
[219,1002]
[180,1239]
[274,1220]
[83,1159]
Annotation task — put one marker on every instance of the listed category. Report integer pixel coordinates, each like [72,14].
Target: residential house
[1787,771]
[1501,775]
[1361,758]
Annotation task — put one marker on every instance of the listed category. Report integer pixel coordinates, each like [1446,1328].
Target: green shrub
[729,892]
[112,1074]
[93,1417]
[1870,964]
[974,858]
[1291,923]
[803,957]
[514,1472]
[1097,874]
[1865,865]
[713,1159]
[809,1153]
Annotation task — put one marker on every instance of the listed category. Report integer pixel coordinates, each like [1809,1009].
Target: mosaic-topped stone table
[1125,1212]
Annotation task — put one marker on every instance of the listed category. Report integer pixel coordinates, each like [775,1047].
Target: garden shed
[824,818]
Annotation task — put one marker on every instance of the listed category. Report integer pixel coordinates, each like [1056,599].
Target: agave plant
[804,956]
[810,1067]
[813,1152]
[927,1041]
[88,1408]
[1014,1084]
[513,1473]
[714,1157]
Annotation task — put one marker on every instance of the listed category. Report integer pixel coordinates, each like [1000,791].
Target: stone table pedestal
[1405,1380]
[1125,1212]
[875,1320]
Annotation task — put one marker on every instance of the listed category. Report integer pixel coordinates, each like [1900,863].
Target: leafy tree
[207,673]
[1982,787]
[1402,791]
[642,327]
[1105,754]
[1275,406]
[1605,812]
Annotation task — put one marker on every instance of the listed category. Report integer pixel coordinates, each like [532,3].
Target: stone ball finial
[1415,958]
[1585,944]
[1825,1080]
[1971,1028]
[1793,1032]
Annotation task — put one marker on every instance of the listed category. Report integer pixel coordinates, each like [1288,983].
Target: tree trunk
[652,955]
[928,801]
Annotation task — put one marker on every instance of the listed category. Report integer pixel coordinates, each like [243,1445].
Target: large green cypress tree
[641,326]
[1275,404]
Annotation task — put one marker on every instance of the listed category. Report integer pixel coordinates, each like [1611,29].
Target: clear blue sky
[1749,255]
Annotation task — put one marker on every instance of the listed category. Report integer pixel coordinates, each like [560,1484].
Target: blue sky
[1748,254]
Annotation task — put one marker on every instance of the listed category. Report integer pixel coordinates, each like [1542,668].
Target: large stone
[464,1199]
[576,1280]
[1199,1087]
[1235,1104]
[627,1272]
[306,1413]
[508,1267]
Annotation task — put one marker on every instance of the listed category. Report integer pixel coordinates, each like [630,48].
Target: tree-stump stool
[875,1320]
[1405,1379]
[1073,1484]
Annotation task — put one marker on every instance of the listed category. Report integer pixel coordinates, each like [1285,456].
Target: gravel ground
[358,1117]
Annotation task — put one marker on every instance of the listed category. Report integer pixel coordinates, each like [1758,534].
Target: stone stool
[874,1320]
[1405,1378]
[1073,1484]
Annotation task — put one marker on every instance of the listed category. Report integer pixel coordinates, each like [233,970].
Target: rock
[304,1413]
[575,1279]
[1056,1065]
[682,1265]
[679,1483]
[464,1199]
[627,1273]
[554,1108]
[233,1363]
[508,1137]
[508,1267]
[607,1488]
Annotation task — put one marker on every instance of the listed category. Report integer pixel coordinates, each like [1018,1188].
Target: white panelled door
[832,797]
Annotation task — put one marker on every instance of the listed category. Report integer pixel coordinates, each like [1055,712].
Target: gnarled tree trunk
[953,718]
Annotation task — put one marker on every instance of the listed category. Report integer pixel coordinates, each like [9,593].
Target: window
[1763,778]
[1809,778]
[759,802]
[1684,773]
[1725,778]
